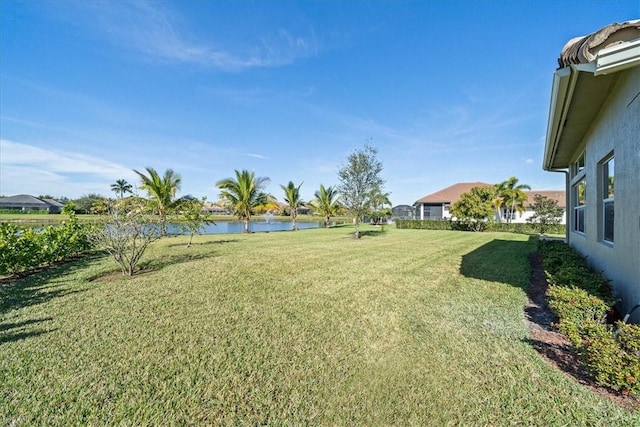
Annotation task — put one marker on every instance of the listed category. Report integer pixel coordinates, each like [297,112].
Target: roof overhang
[577,94]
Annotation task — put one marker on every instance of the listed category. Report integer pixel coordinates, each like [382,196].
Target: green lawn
[292,328]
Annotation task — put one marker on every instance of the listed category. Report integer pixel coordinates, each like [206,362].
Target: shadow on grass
[500,261]
[38,286]
[10,332]
[165,261]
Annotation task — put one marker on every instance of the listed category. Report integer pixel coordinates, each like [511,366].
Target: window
[577,166]
[579,191]
[608,184]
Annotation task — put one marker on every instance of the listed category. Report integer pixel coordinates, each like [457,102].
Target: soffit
[589,95]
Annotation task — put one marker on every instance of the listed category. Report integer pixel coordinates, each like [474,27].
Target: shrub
[24,248]
[581,299]
[426,224]
[125,235]
[613,357]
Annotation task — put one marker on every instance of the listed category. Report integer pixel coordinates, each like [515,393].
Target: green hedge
[582,299]
[429,224]
[24,248]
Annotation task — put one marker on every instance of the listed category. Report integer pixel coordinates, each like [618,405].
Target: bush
[23,248]
[431,224]
[427,224]
[125,235]
[581,299]
[613,356]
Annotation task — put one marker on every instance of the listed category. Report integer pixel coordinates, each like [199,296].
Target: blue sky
[447,91]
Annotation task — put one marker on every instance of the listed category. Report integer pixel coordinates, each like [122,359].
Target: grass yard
[404,327]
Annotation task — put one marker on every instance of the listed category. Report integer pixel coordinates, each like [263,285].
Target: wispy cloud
[30,169]
[160,33]
[257,156]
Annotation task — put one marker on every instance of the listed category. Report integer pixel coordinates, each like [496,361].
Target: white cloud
[529,161]
[258,156]
[33,170]
[157,31]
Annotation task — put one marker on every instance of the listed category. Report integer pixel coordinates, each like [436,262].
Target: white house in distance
[593,137]
[437,205]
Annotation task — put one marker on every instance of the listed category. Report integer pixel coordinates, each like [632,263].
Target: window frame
[607,169]
[578,205]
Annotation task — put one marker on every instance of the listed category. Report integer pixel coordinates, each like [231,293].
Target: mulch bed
[553,346]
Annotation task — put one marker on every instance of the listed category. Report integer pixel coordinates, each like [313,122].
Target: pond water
[231,227]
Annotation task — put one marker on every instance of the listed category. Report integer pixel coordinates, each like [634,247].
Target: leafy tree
[512,196]
[121,187]
[126,234]
[475,207]
[85,204]
[546,213]
[69,208]
[294,201]
[359,180]
[161,192]
[326,203]
[243,194]
[195,218]
[100,206]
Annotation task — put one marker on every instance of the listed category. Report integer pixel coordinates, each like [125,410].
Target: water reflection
[232,227]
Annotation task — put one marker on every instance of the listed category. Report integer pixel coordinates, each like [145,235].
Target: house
[559,196]
[25,202]
[593,137]
[437,205]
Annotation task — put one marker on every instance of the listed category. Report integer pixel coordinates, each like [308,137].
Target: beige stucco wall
[617,129]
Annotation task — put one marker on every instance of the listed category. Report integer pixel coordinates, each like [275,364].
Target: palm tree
[293,199]
[121,187]
[326,203]
[243,194]
[377,201]
[512,195]
[161,191]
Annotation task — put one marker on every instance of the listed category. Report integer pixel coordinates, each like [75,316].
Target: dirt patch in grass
[553,346]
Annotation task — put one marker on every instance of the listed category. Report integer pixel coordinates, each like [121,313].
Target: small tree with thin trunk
[126,234]
[546,213]
[194,217]
[359,180]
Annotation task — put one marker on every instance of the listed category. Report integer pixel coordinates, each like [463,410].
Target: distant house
[593,137]
[403,212]
[559,196]
[438,205]
[25,202]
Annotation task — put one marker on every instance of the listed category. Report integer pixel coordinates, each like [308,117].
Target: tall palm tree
[326,203]
[243,194]
[161,191]
[293,199]
[121,187]
[512,195]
